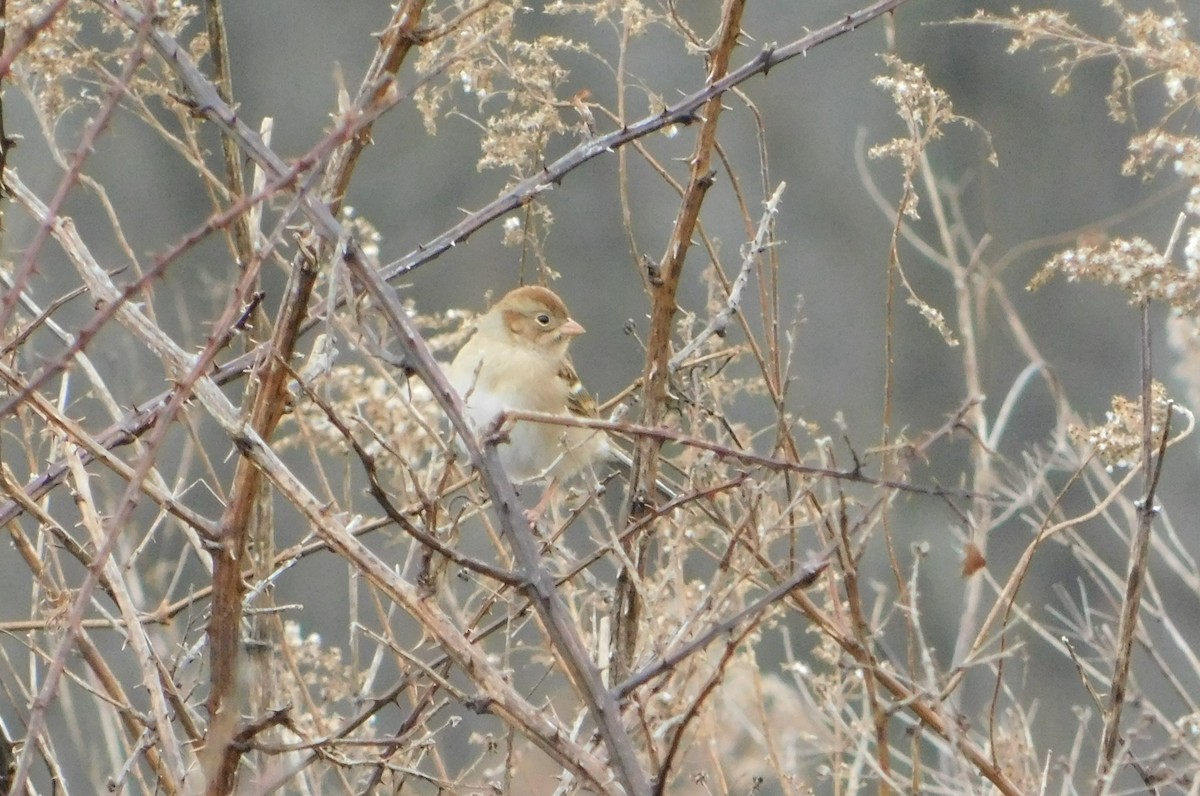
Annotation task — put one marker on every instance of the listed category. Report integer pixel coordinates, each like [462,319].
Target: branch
[664,434]
[138,421]
[87,146]
[801,579]
[733,301]
[1140,550]
[539,584]
[664,285]
[1136,577]
[683,112]
[27,35]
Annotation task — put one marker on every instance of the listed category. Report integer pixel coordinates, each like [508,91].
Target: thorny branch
[720,320]
[523,192]
[611,719]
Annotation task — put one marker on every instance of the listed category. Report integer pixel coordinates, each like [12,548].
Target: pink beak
[571,328]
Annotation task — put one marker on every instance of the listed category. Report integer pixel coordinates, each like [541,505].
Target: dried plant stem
[539,586]
[719,323]
[663,434]
[926,708]
[499,695]
[685,111]
[105,545]
[86,147]
[802,578]
[224,627]
[223,81]
[664,284]
[662,779]
[281,177]
[6,145]
[25,36]
[86,442]
[258,527]
[1147,510]
[558,622]
[524,632]
[172,769]
[135,722]
[208,101]
[849,558]
[396,43]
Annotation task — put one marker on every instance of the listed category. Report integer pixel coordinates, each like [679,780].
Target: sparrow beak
[571,328]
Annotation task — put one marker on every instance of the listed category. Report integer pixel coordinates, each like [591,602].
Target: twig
[327,227]
[380,493]
[926,709]
[693,710]
[138,421]
[97,451]
[664,285]
[218,41]
[396,42]
[540,586]
[224,626]
[733,301]
[685,111]
[1083,675]
[665,434]
[37,715]
[801,579]
[167,744]
[66,183]
[26,36]
[1152,466]
[1135,580]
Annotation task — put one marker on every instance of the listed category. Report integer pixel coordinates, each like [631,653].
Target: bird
[517,359]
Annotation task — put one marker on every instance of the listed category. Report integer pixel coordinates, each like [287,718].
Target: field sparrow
[517,360]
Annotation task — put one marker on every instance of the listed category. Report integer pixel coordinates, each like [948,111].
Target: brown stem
[207,101]
[224,627]
[664,285]
[1138,561]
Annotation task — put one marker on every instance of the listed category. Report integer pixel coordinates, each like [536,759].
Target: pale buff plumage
[517,359]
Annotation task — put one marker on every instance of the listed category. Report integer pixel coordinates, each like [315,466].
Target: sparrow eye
[543,319]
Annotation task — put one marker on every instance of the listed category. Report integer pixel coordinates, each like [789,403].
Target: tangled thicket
[763,628]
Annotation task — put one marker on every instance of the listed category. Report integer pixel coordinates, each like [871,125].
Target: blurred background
[1058,179]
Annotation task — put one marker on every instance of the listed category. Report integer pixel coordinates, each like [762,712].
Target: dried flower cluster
[926,111]
[1133,265]
[1118,441]
[517,86]
[1159,45]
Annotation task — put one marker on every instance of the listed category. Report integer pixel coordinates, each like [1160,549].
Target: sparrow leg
[534,514]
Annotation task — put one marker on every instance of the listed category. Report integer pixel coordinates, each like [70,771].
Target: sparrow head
[535,316]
